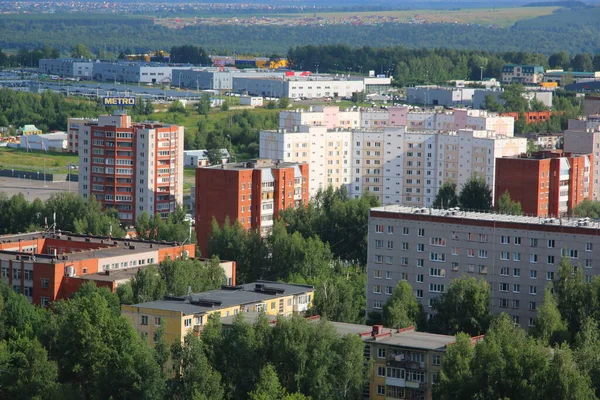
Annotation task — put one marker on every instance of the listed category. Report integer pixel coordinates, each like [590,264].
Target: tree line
[82,348]
[74,214]
[574,31]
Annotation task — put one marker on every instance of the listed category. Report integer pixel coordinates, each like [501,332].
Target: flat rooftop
[457,214]
[212,300]
[254,164]
[80,247]
[403,338]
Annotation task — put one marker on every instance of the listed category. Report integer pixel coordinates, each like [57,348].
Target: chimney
[377,330]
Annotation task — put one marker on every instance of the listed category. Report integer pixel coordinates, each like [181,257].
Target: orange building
[253,193]
[133,168]
[48,266]
[546,183]
[531,117]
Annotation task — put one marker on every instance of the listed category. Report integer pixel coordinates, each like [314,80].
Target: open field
[502,17]
[34,160]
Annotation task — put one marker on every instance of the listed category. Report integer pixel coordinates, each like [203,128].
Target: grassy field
[503,17]
[34,161]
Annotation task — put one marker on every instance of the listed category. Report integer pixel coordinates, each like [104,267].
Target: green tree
[446,196]
[514,100]
[402,309]
[465,307]
[549,327]
[225,105]
[572,295]
[358,97]
[193,376]
[587,208]
[507,206]
[177,107]
[204,104]
[559,60]
[491,104]
[80,51]
[147,285]
[268,386]
[475,195]
[537,105]
[456,376]
[284,102]
[215,156]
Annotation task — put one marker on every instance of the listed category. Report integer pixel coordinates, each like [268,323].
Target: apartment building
[583,137]
[182,315]
[131,167]
[252,193]
[546,183]
[403,363]
[328,116]
[47,266]
[73,127]
[327,153]
[402,167]
[518,256]
[525,74]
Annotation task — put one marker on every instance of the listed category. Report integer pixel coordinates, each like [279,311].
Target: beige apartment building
[583,137]
[518,256]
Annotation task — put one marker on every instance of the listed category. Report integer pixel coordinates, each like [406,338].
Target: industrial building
[518,256]
[56,142]
[216,78]
[433,95]
[199,158]
[546,183]
[135,72]
[133,168]
[47,266]
[182,315]
[67,67]
[252,193]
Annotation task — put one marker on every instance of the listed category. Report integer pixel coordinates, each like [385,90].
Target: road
[32,188]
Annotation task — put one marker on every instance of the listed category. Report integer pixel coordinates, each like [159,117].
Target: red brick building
[131,167]
[47,266]
[531,117]
[253,193]
[546,183]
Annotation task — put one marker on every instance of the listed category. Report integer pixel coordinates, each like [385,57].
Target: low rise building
[559,76]
[252,193]
[29,130]
[546,183]
[525,74]
[67,67]
[55,142]
[433,95]
[182,315]
[47,266]
[135,71]
[200,158]
[251,101]
[518,256]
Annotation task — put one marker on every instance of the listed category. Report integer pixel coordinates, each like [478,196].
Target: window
[516,256]
[470,252]
[436,288]
[44,301]
[531,322]
[439,257]
[517,240]
[388,274]
[455,251]
[551,244]
[588,263]
[503,303]
[377,304]
[516,272]
[390,229]
[437,241]
[187,322]
[404,245]
[377,274]
[16,273]
[505,239]
[389,260]
[377,289]
[405,230]
[144,320]
[379,228]
[381,352]
[533,290]
[570,253]
[515,304]
[504,255]
[404,261]
[533,274]
[28,274]
[482,253]
[419,293]
[44,283]
[532,306]
[420,262]
[378,243]
[390,244]
[533,258]
[388,290]
[550,260]
[438,272]
[435,359]
[157,321]
[420,278]
[589,246]
[550,276]
[504,271]
[420,247]
[503,287]
[421,232]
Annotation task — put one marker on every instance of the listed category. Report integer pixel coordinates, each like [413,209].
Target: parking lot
[32,188]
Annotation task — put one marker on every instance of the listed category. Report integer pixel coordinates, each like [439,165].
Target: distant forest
[575,31]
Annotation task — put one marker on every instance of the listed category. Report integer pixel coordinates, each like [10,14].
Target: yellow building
[179,315]
[29,130]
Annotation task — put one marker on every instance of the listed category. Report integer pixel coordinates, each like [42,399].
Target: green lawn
[35,160]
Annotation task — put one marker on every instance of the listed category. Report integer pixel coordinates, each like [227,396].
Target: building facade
[546,183]
[134,72]
[67,67]
[525,74]
[252,193]
[583,137]
[133,168]
[73,127]
[518,256]
[46,266]
[182,315]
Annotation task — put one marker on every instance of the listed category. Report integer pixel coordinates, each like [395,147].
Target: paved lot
[32,188]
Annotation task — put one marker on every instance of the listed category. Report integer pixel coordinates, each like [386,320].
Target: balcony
[395,382]
[403,362]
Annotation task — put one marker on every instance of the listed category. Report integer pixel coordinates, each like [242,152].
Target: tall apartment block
[518,256]
[253,193]
[73,127]
[583,137]
[131,167]
[327,153]
[396,165]
[546,183]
